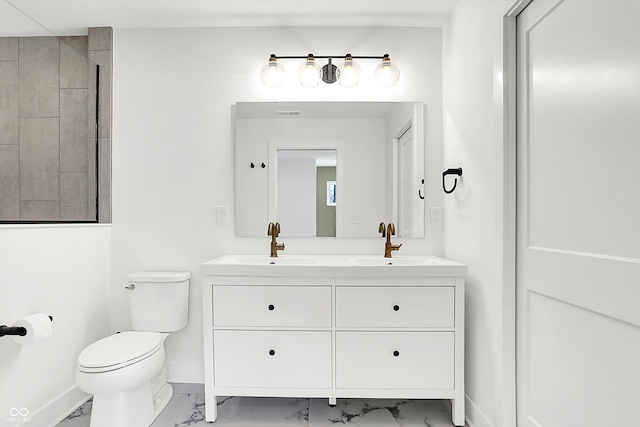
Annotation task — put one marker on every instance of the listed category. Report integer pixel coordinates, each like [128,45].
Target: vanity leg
[457,412]
[332,401]
[211,408]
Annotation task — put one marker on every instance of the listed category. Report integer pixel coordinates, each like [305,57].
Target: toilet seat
[119,350]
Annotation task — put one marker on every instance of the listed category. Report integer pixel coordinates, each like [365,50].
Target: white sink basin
[266,260]
[399,260]
[332,266]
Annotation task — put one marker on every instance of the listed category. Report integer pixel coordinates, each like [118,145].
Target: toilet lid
[120,350]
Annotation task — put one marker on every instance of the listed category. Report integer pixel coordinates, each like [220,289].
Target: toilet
[126,372]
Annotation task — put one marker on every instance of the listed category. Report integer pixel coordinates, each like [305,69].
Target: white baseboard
[56,410]
[474,416]
[185,373]
[188,388]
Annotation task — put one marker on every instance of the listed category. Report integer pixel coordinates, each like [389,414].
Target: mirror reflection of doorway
[303,210]
[326,189]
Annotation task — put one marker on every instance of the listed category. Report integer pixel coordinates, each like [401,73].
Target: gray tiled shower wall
[47,127]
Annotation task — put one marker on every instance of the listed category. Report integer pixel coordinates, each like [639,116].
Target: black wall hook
[419,193]
[458,172]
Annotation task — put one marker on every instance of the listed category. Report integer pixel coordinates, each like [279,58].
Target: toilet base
[133,408]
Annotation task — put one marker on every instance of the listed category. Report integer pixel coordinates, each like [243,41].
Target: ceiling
[73,17]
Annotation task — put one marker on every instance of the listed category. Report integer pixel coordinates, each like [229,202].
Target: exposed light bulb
[386,73]
[349,72]
[310,73]
[272,73]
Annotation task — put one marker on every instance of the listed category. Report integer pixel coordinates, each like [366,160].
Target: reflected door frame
[416,128]
[405,170]
[274,146]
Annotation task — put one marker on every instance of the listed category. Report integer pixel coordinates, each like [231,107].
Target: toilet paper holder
[15,330]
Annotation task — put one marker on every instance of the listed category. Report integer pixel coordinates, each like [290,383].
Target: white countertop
[333,266]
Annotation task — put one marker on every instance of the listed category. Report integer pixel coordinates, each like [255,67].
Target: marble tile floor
[187,409]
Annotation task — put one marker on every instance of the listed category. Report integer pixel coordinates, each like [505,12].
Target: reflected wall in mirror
[379,167]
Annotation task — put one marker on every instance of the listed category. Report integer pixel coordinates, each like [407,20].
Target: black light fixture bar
[328,56]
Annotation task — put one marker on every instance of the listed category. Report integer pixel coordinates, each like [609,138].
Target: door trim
[507,102]
[395,170]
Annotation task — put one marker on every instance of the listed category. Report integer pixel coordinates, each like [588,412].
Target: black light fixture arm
[456,171]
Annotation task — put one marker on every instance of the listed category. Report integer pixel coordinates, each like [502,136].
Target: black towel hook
[457,171]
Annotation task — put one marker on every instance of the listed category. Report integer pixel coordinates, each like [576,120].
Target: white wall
[62,271]
[474,218]
[173,150]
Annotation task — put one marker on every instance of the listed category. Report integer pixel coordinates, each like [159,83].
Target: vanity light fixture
[348,73]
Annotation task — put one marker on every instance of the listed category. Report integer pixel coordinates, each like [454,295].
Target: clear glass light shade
[272,74]
[387,73]
[310,73]
[350,73]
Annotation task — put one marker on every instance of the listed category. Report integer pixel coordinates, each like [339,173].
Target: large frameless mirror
[292,158]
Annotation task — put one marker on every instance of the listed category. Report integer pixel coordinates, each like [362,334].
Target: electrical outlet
[437,217]
[356,219]
[222,214]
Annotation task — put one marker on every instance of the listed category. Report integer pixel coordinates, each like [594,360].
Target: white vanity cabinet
[334,332]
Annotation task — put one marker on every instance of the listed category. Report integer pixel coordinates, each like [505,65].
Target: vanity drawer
[272,359]
[272,306]
[395,360]
[377,307]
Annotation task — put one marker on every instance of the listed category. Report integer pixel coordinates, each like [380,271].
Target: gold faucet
[274,232]
[388,231]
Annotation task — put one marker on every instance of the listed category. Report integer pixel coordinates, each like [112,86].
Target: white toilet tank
[159,300]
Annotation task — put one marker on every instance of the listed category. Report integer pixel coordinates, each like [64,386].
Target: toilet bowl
[126,372]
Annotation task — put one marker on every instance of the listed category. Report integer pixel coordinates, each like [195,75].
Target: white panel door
[578,250]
